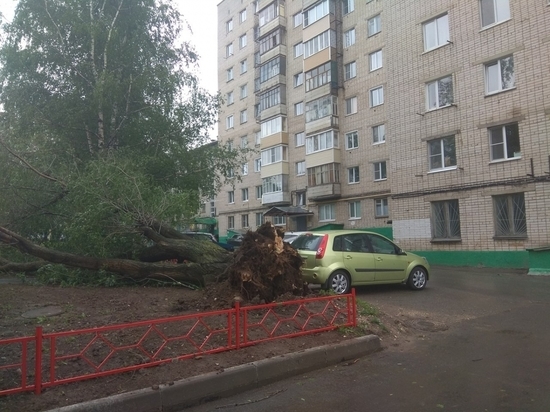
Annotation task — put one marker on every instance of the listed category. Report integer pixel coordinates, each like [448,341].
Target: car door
[356,256]
[389,265]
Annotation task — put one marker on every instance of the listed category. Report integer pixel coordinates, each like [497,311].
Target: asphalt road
[479,340]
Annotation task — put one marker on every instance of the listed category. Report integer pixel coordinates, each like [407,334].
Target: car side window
[356,242]
[381,245]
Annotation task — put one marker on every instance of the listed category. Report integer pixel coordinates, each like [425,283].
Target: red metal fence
[33,363]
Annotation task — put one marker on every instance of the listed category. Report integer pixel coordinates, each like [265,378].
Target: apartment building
[427,121]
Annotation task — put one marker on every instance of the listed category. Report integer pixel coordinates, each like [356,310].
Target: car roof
[336,232]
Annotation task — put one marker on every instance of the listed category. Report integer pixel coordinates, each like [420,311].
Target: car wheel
[339,282]
[418,278]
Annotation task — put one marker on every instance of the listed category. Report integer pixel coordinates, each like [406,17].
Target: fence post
[238,324]
[354,308]
[38,361]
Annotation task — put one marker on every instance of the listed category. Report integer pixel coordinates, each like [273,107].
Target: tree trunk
[182,260]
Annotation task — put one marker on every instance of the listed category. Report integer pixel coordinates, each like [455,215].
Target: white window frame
[352,140]
[230,98]
[500,12]
[316,12]
[436,32]
[244,221]
[511,211]
[377,137]
[274,154]
[380,171]
[244,66]
[242,41]
[258,165]
[349,37]
[504,141]
[244,194]
[440,155]
[229,50]
[351,105]
[375,60]
[242,16]
[244,142]
[298,49]
[259,218]
[229,73]
[243,116]
[321,141]
[298,19]
[229,25]
[300,139]
[244,169]
[299,109]
[376,96]
[354,210]
[353,175]
[298,79]
[434,94]
[229,122]
[244,91]
[231,197]
[348,6]
[381,208]
[374,25]
[327,212]
[272,126]
[503,84]
[259,191]
[350,70]
[231,222]
[301,168]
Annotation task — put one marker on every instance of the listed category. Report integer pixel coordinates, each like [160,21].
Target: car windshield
[307,242]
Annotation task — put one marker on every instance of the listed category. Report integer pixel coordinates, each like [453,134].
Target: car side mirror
[400,252]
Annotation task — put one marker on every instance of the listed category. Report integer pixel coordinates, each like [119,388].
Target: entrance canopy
[292,211]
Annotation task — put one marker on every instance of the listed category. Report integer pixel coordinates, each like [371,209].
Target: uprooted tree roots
[265,267]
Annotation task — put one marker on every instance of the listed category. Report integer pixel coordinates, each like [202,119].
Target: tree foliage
[104,127]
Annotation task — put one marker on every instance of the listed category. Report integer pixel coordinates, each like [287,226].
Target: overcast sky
[202,17]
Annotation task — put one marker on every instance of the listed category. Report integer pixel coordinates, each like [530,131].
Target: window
[319,108]
[244,169]
[272,126]
[500,75]
[298,79]
[436,32]
[257,138]
[318,76]
[229,122]
[375,60]
[259,192]
[244,221]
[355,210]
[231,222]
[349,38]
[353,174]
[350,70]
[320,42]
[321,141]
[445,220]
[299,108]
[274,155]
[381,207]
[324,174]
[268,14]
[244,91]
[378,134]
[278,220]
[327,212]
[229,50]
[300,139]
[275,184]
[259,219]
[348,6]
[442,153]
[316,12]
[439,93]
[298,49]
[376,96]
[504,142]
[244,194]
[272,68]
[301,168]
[242,41]
[352,140]
[244,116]
[244,66]
[270,98]
[510,219]
[494,11]
[297,19]
[242,16]
[257,165]
[351,105]
[373,25]
[229,73]
[301,198]
[229,25]
[231,196]
[244,142]
[270,41]
[380,171]
[230,98]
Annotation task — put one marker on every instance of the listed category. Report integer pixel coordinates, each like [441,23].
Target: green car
[340,259]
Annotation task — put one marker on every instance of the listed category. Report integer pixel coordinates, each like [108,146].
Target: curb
[237,379]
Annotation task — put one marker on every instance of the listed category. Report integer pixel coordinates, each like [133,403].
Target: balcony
[273,24]
[324,192]
[327,122]
[276,198]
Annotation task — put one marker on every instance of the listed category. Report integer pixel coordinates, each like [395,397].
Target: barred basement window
[509,214]
[445,220]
